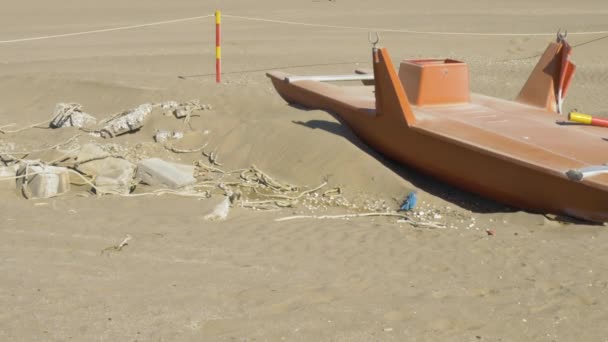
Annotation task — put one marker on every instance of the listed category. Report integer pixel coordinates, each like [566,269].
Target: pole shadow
[249,71]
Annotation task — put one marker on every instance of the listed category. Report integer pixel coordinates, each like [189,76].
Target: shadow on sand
[466,200]
[249,71]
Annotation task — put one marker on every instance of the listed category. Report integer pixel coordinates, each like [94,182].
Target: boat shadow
[461,198]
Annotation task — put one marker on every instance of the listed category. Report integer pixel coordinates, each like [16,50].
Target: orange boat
[515,152]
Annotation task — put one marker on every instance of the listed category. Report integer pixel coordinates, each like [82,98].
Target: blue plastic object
[410,202]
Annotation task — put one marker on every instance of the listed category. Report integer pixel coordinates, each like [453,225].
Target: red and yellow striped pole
[218,48]
[587,119]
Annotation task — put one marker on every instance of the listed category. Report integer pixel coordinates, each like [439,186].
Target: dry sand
[250,278]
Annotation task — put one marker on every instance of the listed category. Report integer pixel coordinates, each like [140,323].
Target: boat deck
[515,130]
[529,134]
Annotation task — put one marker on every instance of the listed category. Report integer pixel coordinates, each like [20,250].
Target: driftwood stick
[3,127]
[177,150]
[45,148]
[406,219]
[118,247]
[209,167]
[77,164]
[36,125]
[212,156]
[293,198]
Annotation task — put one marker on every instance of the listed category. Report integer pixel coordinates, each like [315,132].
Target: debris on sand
[183,110]
[119,169]
[37,180]
[119,247]
[155,171]
[129,121]
[220,212]
[111,174]
[410,202]
[162,136]
[71,115]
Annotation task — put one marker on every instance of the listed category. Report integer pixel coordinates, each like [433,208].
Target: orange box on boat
[435,81]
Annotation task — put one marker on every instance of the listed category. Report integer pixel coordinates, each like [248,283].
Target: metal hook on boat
[561,37]
[373,41]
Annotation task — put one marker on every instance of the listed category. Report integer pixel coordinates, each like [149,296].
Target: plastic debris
[156,171]
[220,212]
[71,115]
[183,110]
[162,136]
[37,180]
[169,107]
[410,202]
[129,121]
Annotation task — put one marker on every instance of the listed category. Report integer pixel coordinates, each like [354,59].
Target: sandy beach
[251,277]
